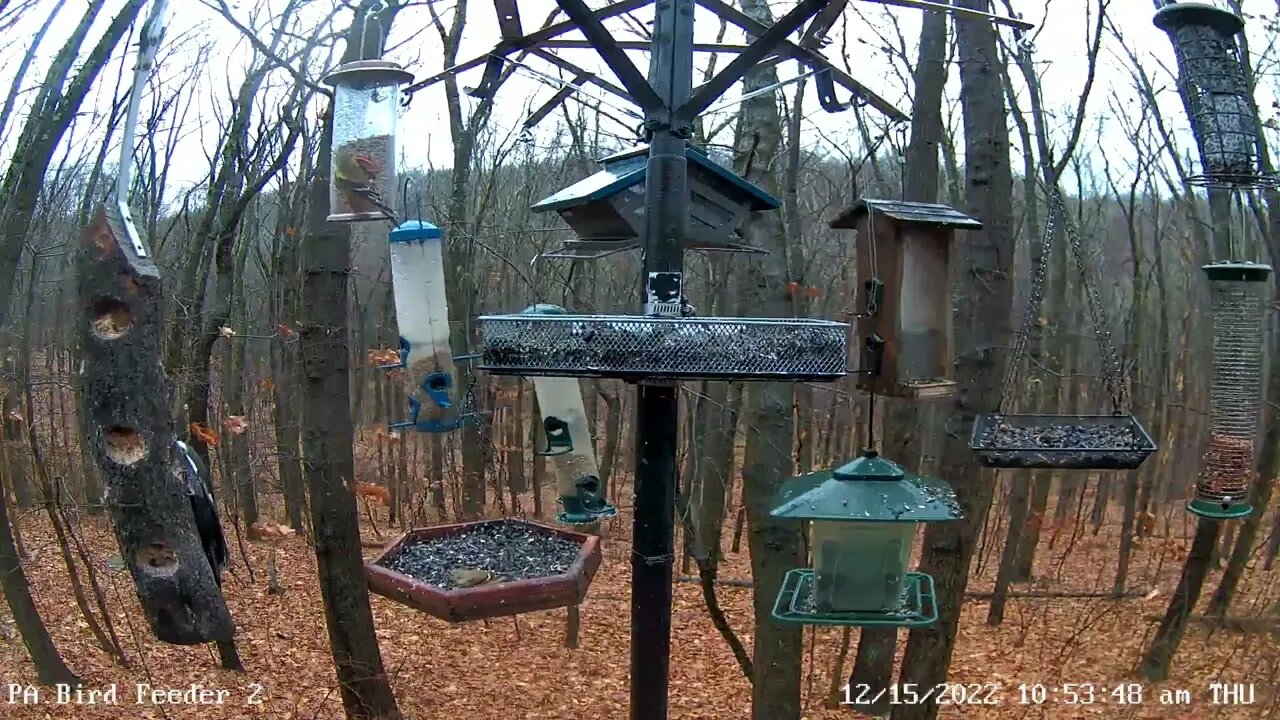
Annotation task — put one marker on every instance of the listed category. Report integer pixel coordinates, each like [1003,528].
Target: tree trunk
[1159,656]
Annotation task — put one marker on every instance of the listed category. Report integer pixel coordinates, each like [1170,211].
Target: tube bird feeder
[366,103]
[1239,300]
[864,517]
[569,444]
[1215,93]
[422,312]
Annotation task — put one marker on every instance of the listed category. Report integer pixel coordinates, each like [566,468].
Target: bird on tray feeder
[569,444]
[366,103]
[864,516]
[903,307]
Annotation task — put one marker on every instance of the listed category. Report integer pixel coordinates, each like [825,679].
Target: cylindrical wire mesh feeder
[637,347]
[1239,293]
[1215,93]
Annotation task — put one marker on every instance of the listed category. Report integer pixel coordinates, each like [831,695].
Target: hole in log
[157,559]
[111,318]
[124,445]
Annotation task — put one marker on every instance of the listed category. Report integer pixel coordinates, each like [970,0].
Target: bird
[471,577]
[354,176]
[189,468]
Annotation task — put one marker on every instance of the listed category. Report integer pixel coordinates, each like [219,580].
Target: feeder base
[794,604]
[1219,511]
[586,518]
[927,390]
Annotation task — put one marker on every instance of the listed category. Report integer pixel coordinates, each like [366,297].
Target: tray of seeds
[1069,442]
[637,347]
[490,568]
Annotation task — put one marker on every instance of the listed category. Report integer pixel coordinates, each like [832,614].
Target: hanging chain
[1013,370]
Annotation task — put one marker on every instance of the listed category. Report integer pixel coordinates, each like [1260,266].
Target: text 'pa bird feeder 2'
[607,210]
[864,517]
[1239,294]
[366,103]
[569,445]
[1215,93]
[490,568]
[904,304]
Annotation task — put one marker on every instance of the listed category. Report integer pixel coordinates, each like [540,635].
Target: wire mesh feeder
[1238,294]
[1215,93]
[476,570]
[634,347]
[1068,442]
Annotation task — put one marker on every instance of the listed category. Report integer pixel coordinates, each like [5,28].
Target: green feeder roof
[1237,272]
[544,309]
[869,489]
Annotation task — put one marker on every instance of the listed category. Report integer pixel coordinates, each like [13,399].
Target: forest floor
[519,668]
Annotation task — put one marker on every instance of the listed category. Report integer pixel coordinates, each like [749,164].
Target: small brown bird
[471,577]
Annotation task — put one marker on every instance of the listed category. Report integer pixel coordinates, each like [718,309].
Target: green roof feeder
[864,516]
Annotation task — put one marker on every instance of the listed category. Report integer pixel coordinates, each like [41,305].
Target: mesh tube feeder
[1239,300]
[366,104]
[864,517]
[1215,93]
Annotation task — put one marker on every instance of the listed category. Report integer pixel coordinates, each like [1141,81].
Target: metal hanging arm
[961,12]
[148,44]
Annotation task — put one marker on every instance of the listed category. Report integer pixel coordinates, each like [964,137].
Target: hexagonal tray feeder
[1068,442]
[638,347]
[490,568]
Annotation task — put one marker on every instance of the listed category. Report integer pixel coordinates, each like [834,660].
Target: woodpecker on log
[189,468]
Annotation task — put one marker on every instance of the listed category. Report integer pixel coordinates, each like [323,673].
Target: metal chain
[1112,368]
[1013,370]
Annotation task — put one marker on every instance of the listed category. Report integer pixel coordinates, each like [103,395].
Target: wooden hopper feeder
[904,301]
[495,595]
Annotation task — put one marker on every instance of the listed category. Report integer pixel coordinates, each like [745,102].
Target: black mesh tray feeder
[1215,93]
[1239,293]
[632,347]
[864,516]
[1066,442]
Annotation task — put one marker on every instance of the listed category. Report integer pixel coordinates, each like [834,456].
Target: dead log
[130,436]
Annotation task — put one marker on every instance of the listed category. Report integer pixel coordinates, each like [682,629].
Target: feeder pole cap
[1171,18]
[869,467]
[368,73]
[1237,272]
[544,309]
[414,231]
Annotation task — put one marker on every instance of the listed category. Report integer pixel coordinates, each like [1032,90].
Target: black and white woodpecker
[191,471]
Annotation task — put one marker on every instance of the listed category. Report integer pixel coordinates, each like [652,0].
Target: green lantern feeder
[864,516]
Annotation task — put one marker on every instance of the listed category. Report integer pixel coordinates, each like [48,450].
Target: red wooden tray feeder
[485,601]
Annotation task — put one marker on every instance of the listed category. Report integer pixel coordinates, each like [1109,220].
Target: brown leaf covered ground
[519,668]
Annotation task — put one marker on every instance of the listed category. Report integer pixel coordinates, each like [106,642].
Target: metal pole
[666,223]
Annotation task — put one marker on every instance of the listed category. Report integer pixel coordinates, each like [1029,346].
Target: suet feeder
[569,444]
[484,569]
[422,312]
[607,210]
[903,306]
[863,519]
[1215,93]
[1239,300]
[366,103]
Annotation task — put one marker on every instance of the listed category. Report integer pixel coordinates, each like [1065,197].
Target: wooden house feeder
[490,568]
[607,210]
[366,105]
[864,517]
[903,304]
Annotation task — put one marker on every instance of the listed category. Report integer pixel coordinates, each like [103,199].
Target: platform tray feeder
[1066,442]
[484,569]
[636,347]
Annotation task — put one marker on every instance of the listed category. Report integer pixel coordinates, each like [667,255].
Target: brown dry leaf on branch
[235,424]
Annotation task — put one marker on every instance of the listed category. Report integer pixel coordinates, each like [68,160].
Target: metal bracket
[664,294]
[874,355]
[826,88]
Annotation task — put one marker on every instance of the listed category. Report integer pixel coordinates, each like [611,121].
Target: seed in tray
[1084,437]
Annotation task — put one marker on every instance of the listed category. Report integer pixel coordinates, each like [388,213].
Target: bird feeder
[569,444]
[1215,92]
[422,312]
[904,303]
[1239,299]
[366,102]
[863,519]
[607,210]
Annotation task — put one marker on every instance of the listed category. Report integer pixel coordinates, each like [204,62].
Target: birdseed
[1065,437]
[380,149]
[510,550]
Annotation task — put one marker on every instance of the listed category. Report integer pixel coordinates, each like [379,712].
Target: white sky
[424,139]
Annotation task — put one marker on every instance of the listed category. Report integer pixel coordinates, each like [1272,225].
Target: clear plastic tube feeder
[569,444]
[366,102]
[422,312]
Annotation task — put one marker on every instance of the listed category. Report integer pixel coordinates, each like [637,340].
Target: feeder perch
[633,347]
[1063,442]
[863,521]
[904,255]
[485,569]
[1239,294]
[607,210]
[366,102]
[1215,93]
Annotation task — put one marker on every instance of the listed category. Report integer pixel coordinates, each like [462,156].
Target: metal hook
[373,14]
[826,88]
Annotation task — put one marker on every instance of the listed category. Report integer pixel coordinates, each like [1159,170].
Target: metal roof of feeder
[915,212]
[627,169]
[869,489]
[1170,17]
